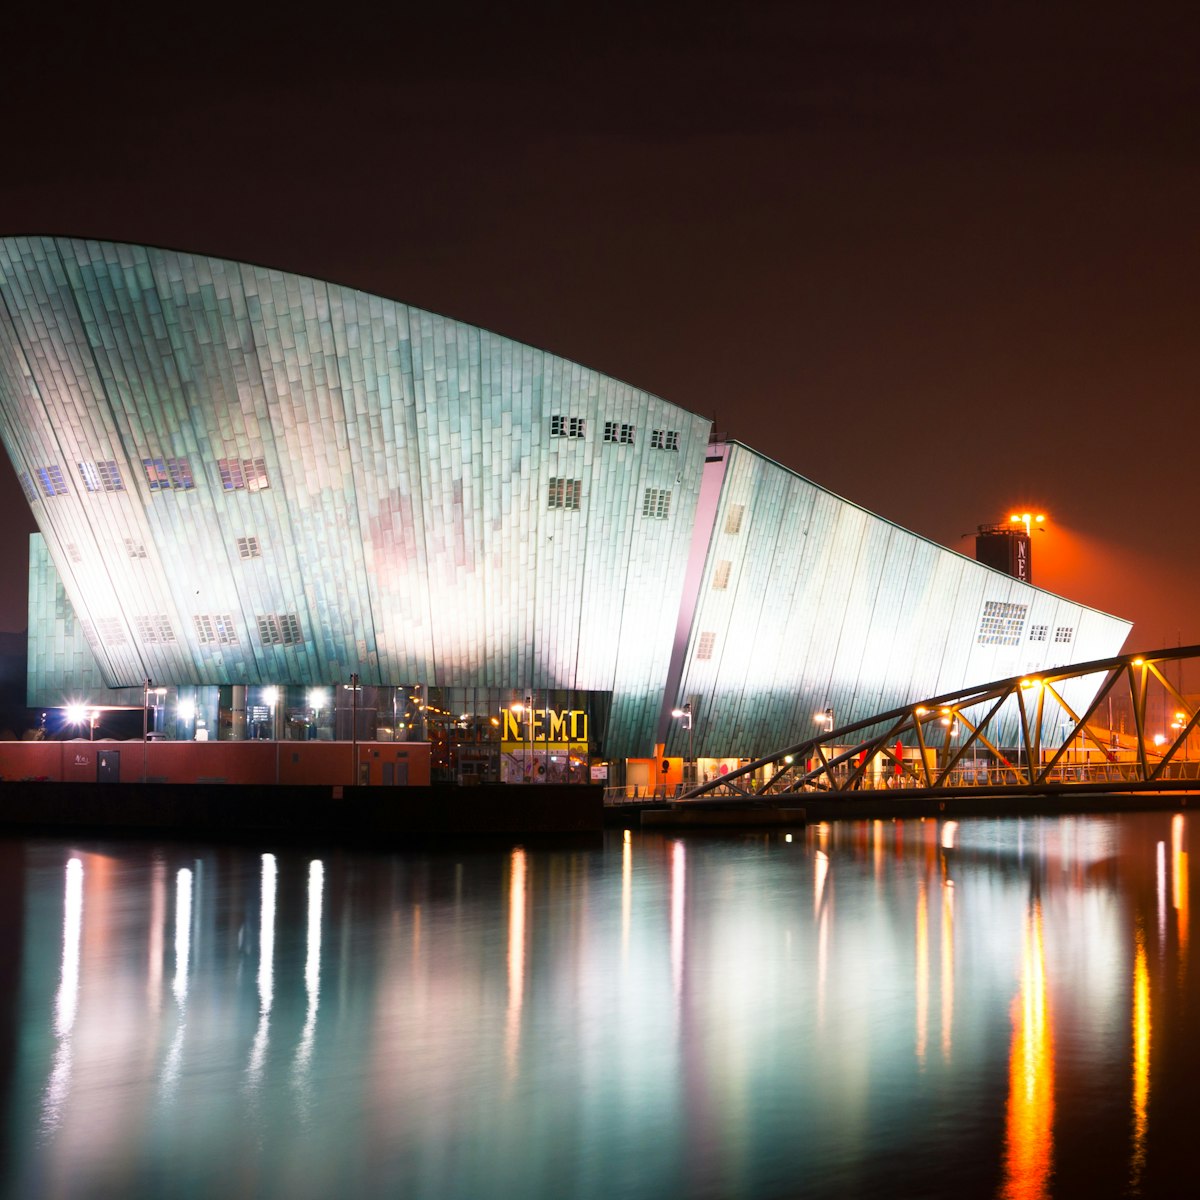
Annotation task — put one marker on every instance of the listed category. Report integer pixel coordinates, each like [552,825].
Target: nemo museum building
[272,508]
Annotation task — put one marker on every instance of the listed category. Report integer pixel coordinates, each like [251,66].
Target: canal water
[879,1008]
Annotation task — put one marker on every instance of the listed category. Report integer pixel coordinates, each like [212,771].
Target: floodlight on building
[185,710]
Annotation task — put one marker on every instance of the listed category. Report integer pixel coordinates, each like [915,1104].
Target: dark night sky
[941,258]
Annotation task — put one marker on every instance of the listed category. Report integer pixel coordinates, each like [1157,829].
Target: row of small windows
[568,494]
[614,431]
[162,474]
[212,629]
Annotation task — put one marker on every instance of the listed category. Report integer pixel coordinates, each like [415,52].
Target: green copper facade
[248,477]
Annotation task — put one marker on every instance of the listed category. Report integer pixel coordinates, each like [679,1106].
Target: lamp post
[145,724]
[354,729]
[685,714]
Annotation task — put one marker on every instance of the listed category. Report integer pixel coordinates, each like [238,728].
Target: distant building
[253,486]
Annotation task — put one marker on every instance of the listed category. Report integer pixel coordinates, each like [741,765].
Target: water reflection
[870,1009]
[1030,1120]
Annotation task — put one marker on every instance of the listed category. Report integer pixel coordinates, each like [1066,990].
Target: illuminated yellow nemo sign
[546,726]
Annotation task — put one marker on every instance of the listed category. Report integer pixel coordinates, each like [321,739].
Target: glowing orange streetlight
[1029,520]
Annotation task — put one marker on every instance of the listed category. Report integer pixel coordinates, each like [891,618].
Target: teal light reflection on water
[995,1007]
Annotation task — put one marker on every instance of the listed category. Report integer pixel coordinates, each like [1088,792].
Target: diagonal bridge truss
[1047,731]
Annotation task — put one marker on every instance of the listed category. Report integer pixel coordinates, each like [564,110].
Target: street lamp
[1029,520]
[685,714]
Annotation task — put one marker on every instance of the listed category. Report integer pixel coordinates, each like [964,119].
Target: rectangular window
[154,629]
[664,439]
[156,474]
[672,439]
[564,493]
[704,648]
[1039,633]
[255,471]
[73,552]
[135,549]
[230,469]
[27,487]
[101,476]
[165,473]
[180,474]
[89,633]
[656,503]
[279,629]
[574,427]
[90,476]
[1064,633]
[1002,624]
[615,431]
[733,518]
[249,547]
[53,481]
[215,630]
[243,474]
[112,633]
[110,476]
[721,575]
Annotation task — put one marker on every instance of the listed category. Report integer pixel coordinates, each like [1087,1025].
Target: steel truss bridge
[1046,732]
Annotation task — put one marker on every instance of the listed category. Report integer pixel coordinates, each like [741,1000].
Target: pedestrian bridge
[1113,725]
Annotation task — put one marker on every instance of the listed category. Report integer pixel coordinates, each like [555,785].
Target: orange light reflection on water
[1029,1134]
[1141,1058]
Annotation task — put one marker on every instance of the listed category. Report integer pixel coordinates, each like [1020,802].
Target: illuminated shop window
[243,474]
[1064,633]
[52,480]
[567,426]
[101,476]
[704,648]
[733,518]
[1002,623]
[564,493]
[657,503]
[215,629]
[279,629]
[135,549]
[615,431]
[721,575]
[249,547]
[111,631]
[664,439]
[154,629]
[166,473]
[1039,633]
[28,488]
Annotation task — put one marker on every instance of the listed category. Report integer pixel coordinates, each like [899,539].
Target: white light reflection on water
[266,971]
[183,950]
[678,910]
[459,1024]
[67,999]
[312,971]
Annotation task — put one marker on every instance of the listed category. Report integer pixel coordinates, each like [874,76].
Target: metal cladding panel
[314,481]
[61,666]
[808,602]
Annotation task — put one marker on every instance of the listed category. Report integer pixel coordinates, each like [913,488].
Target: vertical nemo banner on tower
[1022,568]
